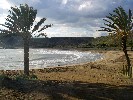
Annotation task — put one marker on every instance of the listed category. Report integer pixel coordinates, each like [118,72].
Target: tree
[130,41]
[21,21]
[120,24]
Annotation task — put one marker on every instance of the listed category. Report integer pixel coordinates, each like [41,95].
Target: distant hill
[60,41]
[12,41]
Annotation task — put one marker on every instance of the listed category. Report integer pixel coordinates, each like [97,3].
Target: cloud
[72,17]
[64,2]
[85,5]
[4,4]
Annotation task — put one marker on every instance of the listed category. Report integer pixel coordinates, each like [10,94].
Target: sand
[99,80]
[108,70]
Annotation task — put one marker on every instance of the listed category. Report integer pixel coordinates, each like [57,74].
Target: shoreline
[104,58]
[106,70]
[101,79]
[78,61]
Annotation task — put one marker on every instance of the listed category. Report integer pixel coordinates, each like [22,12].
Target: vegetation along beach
[73,54]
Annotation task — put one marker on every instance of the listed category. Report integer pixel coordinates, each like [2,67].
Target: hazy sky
[70,18]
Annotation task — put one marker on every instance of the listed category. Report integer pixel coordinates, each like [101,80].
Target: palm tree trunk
[26,56]
[124,47]
[131,48]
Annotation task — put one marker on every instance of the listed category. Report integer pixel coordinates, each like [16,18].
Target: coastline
[99,80]
[68,57]
[107,70]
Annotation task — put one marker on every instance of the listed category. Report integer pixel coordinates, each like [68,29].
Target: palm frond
[21,19]
[45,27]
[36,27]
[120,22]
[42,34]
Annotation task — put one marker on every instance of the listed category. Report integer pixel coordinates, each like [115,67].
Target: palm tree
[120,24]
[20,21]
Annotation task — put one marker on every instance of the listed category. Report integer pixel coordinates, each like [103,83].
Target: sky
[70,18]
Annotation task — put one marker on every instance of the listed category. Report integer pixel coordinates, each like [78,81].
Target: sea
[13,59]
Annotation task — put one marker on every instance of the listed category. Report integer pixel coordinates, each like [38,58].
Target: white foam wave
[12,59]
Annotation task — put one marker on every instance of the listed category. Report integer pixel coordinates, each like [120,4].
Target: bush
[3,76]
[25,77]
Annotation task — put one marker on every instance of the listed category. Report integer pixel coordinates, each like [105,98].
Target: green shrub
[25,77]
[126,72]
[3,76]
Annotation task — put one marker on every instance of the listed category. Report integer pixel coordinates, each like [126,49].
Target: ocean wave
[40,58]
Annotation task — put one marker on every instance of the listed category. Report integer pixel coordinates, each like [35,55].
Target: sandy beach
[108,70]
[99,80]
